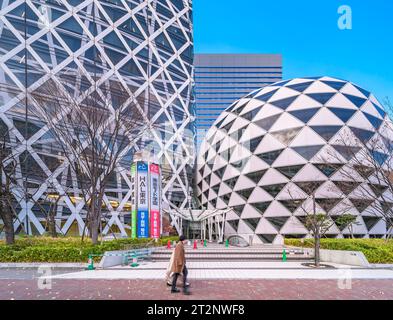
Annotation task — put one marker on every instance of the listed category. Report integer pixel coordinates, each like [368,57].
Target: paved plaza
[257,289]
[214,273]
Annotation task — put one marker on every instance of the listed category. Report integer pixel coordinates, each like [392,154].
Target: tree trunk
[317,246]
[52,225]
[8,229]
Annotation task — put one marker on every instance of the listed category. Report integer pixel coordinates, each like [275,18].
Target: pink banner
[155,202]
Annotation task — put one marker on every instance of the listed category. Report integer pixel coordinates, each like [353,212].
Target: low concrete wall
[351,258]
[112,259]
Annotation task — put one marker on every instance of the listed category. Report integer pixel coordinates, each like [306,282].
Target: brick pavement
[201,290]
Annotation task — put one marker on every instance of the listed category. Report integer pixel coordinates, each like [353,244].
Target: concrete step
[233,257]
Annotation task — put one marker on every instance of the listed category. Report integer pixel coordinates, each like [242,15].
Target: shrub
[375,250]
[66,249]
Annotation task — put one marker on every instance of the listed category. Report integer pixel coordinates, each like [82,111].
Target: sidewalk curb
[19,265]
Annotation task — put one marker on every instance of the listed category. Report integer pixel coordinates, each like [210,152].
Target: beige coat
[179,259]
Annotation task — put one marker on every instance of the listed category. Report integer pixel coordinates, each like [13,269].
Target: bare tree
[370,168]
[317,223]
[94,129]
[8,167]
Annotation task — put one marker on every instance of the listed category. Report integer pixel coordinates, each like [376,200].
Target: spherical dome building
[276,152]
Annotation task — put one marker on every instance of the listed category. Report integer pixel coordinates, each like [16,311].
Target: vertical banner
[133,201]
[142,200]
[155,201]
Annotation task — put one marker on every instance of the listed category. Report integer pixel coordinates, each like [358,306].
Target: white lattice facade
[143,46]
[267,149]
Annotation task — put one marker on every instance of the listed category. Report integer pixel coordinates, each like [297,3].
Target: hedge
[67,249]
[375,250]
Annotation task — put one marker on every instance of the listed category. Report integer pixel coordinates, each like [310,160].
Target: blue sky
[305,32]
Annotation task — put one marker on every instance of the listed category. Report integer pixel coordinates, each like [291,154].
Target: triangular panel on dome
[293,226]
[252,132]
[266,111]
[346,187]
[328,169]
[284,103]
[359,227]
[245,193]
[337,85]
[270,157]
[379,228]
[234,224]
[291,192]
[252,223]
[253,144]
[290,171]
[353,90]
[265,227]
[293,204]
[272,176]
[309,173]
[286,122]
[308,208]
[243,183]
[286,136]
[308,152]
[269,143]
[370,222]
[239,153]
[250,212]
[255,164]
[238,124]
[274,189]
[326,131]
[231,183]
[284,93]
[309,187]
[303,102]
[318,87]
[256,176]
[329,190]
[238,210]
[236,200]
[250,115]
[267,123]
[267,238]
[363,135]
[357,101]
[304,115]
[230,172]
[224,189]
[328,204]
[348,152]
[287,158]
[300,86]
[277,222]
[325,118]
[369,108]
[214,180]
[261,207]
[251,106]
[259,195]
[266,94]
[344,114]
[322,98]
[375,121]
[307,137]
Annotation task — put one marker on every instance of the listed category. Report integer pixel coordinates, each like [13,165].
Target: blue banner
[143,224]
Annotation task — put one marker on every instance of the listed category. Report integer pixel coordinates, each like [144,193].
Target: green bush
[66,249]
[375,250]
